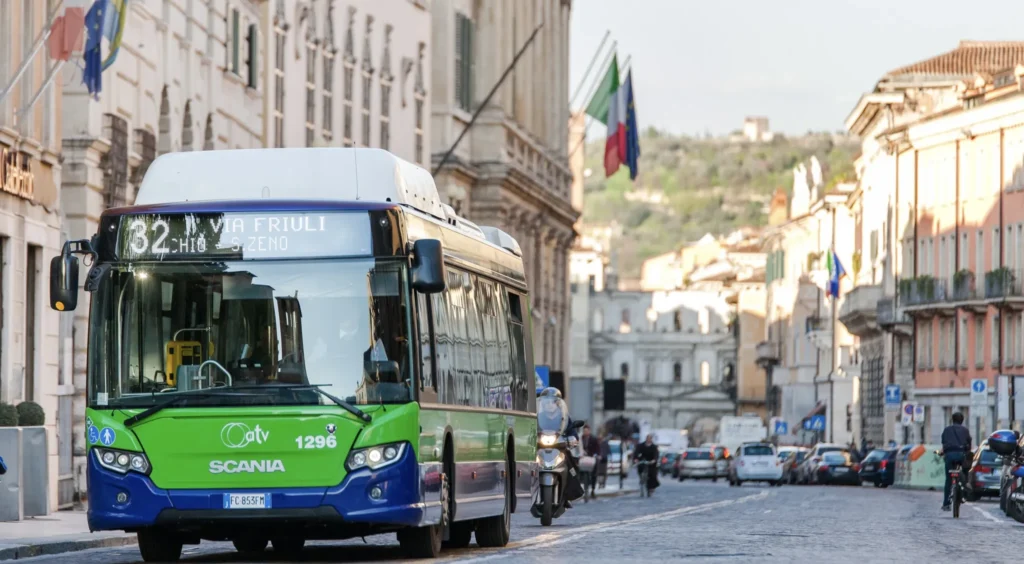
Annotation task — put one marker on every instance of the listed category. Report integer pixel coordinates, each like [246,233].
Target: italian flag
[609,107]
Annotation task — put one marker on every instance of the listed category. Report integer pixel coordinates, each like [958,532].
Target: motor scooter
[556,455]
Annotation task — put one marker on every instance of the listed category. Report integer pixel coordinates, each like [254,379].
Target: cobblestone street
[699,522]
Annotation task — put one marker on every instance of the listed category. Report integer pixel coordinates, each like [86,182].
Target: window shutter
[254,47]
[457,98]
[467,79]
[235,39]
[770,268]
[782,264]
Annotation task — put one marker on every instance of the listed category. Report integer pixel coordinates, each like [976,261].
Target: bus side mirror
[64,282]
[428,273]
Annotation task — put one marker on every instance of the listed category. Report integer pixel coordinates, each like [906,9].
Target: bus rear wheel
[159,546]
[493,532]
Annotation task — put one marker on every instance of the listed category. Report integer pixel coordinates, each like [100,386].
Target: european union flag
[632,133]
[92,76]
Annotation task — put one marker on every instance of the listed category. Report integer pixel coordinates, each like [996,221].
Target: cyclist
[649,452]
[956,443]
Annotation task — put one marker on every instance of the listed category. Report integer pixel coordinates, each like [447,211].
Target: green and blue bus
[296,344]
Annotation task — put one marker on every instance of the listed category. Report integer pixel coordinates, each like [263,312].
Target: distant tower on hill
[755,129]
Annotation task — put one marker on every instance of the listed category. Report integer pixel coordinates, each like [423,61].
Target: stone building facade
[349,73]
[30,216]
[512,168]
[187,78]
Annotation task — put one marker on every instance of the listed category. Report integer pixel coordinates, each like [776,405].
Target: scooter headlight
[548,440]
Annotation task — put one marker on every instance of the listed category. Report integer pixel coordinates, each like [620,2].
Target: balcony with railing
[926,296]
[859,311]
[1003,285]
[967,292]
[892,318]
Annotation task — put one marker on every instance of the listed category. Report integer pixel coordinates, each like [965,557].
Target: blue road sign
[781,427]
[543,377]
[816,423]
[978,386]
[892,394]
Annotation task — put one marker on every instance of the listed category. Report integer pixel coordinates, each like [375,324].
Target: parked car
[809,467]
[755,462]
[984,476]
[835,468]
[698,464]
[879,467]
[667,462]
[791,458]
[722,458]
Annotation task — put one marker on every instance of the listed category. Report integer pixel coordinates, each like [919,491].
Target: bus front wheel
[493,532]
[159,546]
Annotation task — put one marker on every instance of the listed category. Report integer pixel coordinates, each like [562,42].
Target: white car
[756,462]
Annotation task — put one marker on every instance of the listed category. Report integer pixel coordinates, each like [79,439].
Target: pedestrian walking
[589,462]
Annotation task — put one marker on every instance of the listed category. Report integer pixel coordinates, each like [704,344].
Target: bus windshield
[160,330]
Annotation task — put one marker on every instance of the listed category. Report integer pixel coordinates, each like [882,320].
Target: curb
[18,552]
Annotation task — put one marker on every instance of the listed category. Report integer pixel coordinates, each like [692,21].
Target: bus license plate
[247,501]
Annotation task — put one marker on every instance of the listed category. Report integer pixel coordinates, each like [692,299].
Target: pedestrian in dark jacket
[649,451]
[591,447]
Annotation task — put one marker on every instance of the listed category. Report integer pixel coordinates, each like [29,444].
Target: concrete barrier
[11,505]
[927,471]
[24,490]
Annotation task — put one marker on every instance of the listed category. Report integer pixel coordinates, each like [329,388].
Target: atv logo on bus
[239,435]
[246,466]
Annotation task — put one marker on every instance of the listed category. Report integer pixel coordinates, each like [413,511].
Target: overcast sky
[705,65]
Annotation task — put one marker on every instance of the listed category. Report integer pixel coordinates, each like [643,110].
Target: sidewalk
[611,489]
[64,531]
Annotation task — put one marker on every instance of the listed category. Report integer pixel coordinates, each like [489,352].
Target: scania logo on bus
[245,466]
[239,435]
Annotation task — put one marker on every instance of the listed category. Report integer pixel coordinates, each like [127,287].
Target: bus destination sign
[240,236]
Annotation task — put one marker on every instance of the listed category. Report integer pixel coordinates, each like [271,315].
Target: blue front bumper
[400,504]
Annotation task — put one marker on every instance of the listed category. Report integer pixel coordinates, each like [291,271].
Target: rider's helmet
[551,391]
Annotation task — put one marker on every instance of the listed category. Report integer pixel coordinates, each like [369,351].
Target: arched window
[677,372]
[677,320]
[186,128]
[163,142]
[705,373]
[624,371]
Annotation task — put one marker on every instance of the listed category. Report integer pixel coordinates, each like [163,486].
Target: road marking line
[988,515]
[551,539]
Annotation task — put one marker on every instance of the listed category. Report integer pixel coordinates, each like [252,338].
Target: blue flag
[95,20]
[632,133]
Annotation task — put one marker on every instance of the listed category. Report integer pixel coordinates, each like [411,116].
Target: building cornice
[987,118]
[867,108]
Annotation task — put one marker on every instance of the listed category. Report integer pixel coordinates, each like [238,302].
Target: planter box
[24,490]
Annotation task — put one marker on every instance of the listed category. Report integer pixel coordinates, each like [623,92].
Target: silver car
[698,464]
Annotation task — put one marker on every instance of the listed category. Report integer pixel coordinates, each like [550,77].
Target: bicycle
[956,492]
[644,468]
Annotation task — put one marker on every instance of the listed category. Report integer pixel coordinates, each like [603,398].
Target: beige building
[668,271]
[512,169]
[31,368]
[797,351]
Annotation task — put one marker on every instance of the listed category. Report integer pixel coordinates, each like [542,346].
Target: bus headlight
[374,457]
[121,461]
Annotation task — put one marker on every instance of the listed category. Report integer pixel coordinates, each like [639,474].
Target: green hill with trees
[690,186]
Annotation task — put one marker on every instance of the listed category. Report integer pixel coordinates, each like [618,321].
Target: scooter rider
[570,434]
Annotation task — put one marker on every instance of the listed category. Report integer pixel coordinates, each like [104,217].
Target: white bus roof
[330,174]
[323,174]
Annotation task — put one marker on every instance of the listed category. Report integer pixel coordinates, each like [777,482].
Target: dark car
[667,462]
[836,468]
[984,476]
[879,467]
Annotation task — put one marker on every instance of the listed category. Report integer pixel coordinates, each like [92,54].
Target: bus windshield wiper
[177,398]
[365,417]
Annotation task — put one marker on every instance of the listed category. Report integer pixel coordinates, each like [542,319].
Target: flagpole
[38,43]
[835,335]
[591,121]
[483,104]
[590,66]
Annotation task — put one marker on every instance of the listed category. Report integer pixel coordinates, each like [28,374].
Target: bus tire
[421,542]
[493,532]
[159,546]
